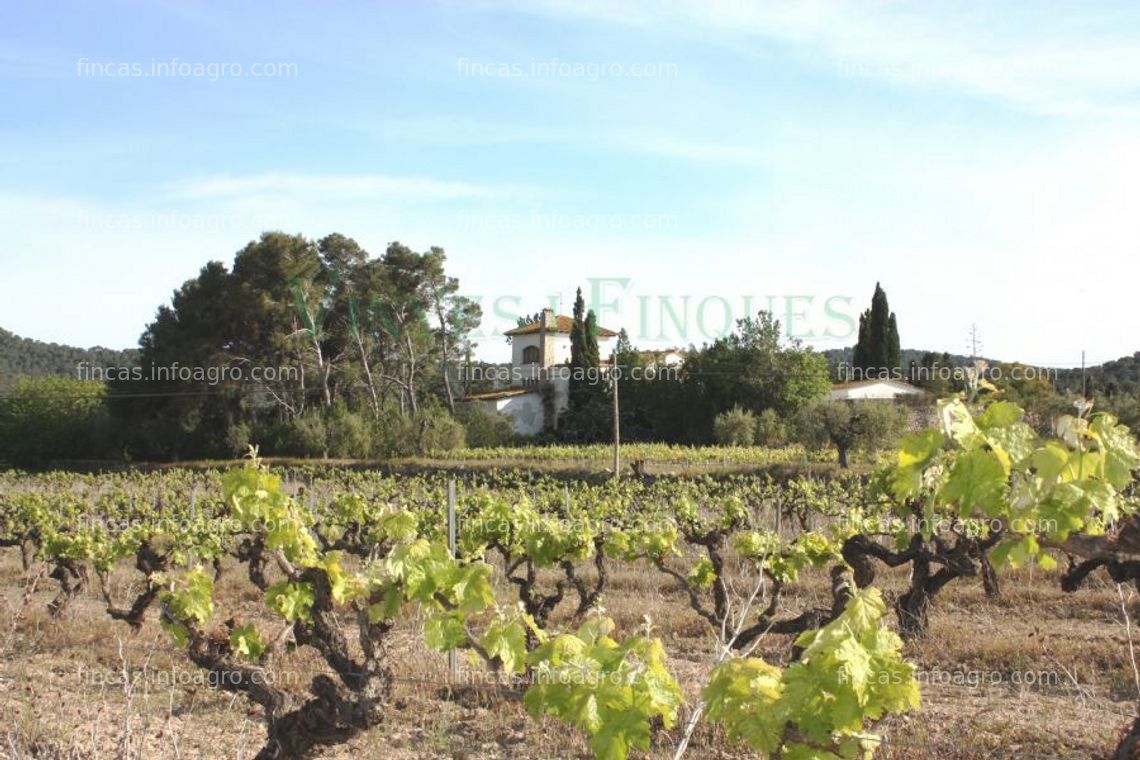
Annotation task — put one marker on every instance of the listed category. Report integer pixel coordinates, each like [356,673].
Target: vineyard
[972,598]
[661,454]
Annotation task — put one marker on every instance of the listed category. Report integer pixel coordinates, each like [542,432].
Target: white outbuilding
[875,390]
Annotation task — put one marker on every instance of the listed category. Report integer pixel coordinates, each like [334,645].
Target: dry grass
[63,692]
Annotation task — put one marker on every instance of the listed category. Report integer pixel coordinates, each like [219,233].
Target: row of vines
[340,557]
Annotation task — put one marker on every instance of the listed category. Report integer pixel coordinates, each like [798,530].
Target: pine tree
[624,347]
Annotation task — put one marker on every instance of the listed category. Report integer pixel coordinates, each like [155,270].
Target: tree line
[26,357]
[367,351]
[325,350]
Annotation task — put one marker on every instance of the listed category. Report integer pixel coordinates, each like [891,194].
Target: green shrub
[771,430]
[238,438]
[485,428]
[48,418]
[735,427]
[348,433]
[396,434]
[439,431]
[393,434]
[344,433]
[305,435]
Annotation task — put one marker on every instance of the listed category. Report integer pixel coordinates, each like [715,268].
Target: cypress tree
[879,329]
[894,350]
[578,331]
[591,355]
[584,353]
[585,411]
[859,361]
[878,349]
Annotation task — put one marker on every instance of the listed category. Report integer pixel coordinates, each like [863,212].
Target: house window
[530,355]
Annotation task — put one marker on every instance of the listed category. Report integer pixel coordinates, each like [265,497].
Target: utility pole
[452,661]
[1084,383]
[617,419]
[975,341]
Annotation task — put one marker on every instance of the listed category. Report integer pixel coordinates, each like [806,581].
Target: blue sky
[685,162]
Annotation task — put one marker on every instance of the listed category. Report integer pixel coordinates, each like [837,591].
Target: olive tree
[850,425]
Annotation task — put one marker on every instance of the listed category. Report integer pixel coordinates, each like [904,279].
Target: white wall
[558,346]
[525,411]
[561,346]
[521,342]
[874,391]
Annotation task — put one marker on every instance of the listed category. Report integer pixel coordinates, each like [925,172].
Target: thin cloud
[361,187]
[1072,61]
[468,132]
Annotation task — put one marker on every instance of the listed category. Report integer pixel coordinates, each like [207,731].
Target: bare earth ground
[1036,673]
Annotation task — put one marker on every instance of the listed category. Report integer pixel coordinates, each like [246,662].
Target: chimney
[548,321]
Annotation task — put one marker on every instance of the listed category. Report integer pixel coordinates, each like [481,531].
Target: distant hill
[27,356]
[1117,376]
[34,358]
[835,356]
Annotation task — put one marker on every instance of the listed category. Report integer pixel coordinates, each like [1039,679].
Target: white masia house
[538,382]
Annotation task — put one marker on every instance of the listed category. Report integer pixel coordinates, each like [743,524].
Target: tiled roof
[498,394]
[563,324]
